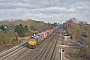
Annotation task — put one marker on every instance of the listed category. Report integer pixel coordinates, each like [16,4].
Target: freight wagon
[36,39]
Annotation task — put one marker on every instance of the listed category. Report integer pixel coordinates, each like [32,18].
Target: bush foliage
[8,37]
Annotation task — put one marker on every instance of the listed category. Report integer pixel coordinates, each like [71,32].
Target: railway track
[10,50]
[14,53]
[44,51]
[48,52]
[30,54]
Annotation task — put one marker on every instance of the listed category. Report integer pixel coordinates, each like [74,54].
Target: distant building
[0,30]
[5,27]
[10,30]
[66,38]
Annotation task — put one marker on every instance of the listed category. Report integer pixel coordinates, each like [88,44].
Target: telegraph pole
[61,54]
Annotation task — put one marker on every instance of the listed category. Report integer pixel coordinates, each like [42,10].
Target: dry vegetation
[77,29]
[36,25]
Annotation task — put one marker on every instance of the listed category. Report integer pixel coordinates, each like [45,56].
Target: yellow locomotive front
[32,41]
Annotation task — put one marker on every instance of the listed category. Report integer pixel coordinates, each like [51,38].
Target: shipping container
[49,31]
[42,35]
[45,34]
[38,38]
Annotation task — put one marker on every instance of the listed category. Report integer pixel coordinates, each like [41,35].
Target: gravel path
[59,42]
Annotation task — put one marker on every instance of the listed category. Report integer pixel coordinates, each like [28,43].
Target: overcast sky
[45,10]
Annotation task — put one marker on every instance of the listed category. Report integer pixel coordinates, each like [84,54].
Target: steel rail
[12,51]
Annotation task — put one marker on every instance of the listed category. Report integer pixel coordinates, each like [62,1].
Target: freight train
[36,39]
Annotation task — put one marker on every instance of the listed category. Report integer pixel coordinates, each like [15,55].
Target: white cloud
[46,10]
[54,10]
